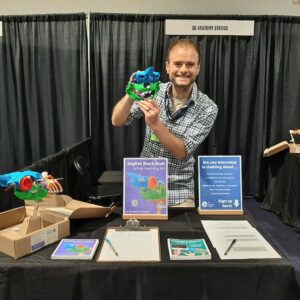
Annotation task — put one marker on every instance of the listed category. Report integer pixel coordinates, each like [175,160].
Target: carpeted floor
[285,237]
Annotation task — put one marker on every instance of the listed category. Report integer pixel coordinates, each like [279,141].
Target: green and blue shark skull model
[145,84]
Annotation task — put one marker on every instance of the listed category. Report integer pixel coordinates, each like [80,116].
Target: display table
[38,277]
[282,190]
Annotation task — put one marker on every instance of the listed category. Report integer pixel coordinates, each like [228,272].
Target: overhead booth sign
[209,27]
[220,185]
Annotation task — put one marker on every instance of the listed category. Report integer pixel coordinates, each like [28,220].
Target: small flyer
[220,184]
[145,188]
[180,249]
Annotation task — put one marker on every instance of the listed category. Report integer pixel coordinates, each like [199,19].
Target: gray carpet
[285,237]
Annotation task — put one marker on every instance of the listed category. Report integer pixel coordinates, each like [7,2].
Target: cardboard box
[72,209]
[22,234]
[24,230]
[293,148]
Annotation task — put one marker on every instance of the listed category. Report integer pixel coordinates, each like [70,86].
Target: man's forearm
[121,111]
[171,142]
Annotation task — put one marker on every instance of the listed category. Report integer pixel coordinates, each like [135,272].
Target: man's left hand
[151,111]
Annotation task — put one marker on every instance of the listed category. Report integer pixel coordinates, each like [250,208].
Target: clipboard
[130,245]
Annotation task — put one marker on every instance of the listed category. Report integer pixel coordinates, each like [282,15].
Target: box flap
[11,217]
[87,210]
[276,148]
[73,209]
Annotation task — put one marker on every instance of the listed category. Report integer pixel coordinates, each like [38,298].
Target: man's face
[183,66]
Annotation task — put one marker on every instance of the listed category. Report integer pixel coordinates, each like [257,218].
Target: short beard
[183,86]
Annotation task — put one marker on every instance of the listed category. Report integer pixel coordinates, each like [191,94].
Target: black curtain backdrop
[43,86]
[255,81]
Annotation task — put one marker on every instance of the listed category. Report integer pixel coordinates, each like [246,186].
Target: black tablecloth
[283,187]
[38,277]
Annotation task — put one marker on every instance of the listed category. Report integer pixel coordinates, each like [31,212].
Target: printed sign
[220,188]
[145,188]
[209,27]
[44,237]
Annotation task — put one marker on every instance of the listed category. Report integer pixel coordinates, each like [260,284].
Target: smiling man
[178,120]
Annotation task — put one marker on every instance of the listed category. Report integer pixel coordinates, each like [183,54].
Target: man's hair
[184,43]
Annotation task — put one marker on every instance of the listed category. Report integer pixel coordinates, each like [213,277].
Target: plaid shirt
[192,124]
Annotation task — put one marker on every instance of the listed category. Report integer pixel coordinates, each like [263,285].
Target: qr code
[134,202]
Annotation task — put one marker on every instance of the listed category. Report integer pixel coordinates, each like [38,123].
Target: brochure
[75,249]
[180,249]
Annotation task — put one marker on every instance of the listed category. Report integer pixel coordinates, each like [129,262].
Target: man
[178,120]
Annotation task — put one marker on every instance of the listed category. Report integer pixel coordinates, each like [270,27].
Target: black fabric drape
[119,46]
[43,86]
[36,276]
[254,80]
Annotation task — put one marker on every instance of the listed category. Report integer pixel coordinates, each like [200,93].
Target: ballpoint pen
[230,246]
[111,206]
[111,246]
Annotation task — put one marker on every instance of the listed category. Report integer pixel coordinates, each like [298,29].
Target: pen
[111,246]
[230,246]
[110,211]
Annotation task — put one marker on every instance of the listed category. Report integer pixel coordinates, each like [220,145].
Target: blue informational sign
[220,183]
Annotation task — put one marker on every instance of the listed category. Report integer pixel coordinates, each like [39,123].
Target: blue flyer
[220,187]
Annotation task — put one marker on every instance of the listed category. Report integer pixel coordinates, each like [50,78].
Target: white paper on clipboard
[131,246]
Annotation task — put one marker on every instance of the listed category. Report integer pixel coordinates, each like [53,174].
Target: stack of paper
[238,240]
[130,246]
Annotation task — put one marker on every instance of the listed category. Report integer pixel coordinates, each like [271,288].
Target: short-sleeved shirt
[191,123]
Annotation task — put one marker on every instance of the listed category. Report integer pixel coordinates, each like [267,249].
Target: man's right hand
[121,111]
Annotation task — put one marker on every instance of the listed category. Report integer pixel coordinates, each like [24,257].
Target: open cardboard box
[70,208]
[26,229]
[21,233]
